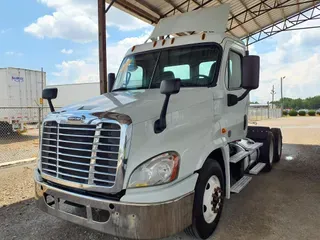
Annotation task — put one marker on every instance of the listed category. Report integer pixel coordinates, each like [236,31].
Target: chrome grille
[86,154]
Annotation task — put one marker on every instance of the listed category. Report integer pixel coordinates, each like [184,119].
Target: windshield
[194,65]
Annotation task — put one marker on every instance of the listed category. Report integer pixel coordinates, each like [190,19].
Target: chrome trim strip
[106,174]
[94,154]
[71,135]
[86,157]
[73,169]
[57,149]
[49,164]
[105,166]
[48,145]
[51,158]
[46,151]
[81,129]
[48,139]
[103,180]
[48,170]
[73,176]
[82,164]
[84,143]
[109,137]
[95,149]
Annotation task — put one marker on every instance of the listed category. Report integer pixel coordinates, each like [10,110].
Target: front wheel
[208,200]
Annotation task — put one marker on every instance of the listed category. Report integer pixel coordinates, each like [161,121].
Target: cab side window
[234,70]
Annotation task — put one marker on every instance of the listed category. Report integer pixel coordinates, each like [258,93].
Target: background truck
[19,96]
[76,92]
[162,151]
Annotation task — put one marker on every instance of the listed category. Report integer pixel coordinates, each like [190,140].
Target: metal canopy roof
[250,20]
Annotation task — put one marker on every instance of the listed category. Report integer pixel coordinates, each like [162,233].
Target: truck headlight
[158,170]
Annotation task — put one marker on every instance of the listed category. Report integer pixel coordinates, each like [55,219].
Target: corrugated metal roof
[246,16]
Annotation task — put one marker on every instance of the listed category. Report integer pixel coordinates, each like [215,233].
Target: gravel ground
[19,146]
[283,204]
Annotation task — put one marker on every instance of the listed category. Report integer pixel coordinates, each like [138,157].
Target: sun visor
[206,19]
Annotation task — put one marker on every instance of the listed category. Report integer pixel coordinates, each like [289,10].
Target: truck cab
[162,150]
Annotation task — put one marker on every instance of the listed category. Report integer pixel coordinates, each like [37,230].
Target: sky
[61,37]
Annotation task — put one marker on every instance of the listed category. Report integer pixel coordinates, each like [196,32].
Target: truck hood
[139,105]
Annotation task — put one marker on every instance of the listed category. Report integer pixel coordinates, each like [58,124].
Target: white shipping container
[74,93]
[20,90]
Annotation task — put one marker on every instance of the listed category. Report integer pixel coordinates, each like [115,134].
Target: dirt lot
[19,146]
[283,204]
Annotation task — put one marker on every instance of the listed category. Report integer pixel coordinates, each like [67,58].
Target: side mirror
[171,86]
[49,94]
[250,72]
[167,87]
[111,80]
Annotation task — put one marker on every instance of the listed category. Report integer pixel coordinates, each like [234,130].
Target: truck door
[236,115]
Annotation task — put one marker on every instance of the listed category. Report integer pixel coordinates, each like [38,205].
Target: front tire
[208,200]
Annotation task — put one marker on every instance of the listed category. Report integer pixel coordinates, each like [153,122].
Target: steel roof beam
[172,5]
[254,20]
[269,15]
[195,2]
[203,4]
[256,10]
[149,7]
[282,11]
[237,20]
[175,8]
[278,27]
[126,6]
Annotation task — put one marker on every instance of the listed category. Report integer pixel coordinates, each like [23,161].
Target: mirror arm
[51,105]
[161,123]
[244,95]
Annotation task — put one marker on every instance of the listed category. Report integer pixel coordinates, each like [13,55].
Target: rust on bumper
[128,220]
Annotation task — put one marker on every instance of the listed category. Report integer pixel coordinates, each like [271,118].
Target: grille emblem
[77,119]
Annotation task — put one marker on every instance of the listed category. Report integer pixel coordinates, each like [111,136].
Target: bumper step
[257,168]
[238,186]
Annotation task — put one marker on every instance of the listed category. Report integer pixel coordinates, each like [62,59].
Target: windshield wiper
[127,89]
[120,89]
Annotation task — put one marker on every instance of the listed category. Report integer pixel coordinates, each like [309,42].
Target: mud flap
[258,134]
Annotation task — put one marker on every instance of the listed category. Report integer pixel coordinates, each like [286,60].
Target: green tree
[309,103]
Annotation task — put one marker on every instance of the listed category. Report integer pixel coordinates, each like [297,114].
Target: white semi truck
[162,151]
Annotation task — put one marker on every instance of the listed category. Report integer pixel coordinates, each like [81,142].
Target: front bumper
[134,221]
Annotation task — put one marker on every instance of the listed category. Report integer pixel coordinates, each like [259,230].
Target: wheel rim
[212,199]
[279,145]
[271,152]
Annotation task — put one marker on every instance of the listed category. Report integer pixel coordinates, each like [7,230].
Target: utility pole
[273,92]
[282,102]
